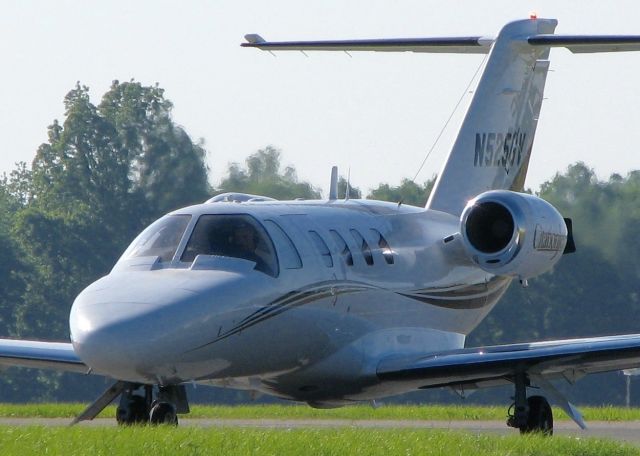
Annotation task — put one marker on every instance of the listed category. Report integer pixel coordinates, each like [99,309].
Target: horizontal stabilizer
[455,45]
[588,43]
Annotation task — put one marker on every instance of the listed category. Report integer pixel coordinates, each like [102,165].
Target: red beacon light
[533,16]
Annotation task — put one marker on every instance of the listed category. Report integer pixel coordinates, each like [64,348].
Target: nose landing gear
[140,407]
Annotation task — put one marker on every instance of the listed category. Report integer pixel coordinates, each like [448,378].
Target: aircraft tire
[540,417]
[134,412]
[163,413]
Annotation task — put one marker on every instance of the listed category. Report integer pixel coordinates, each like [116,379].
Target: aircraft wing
[494,365]
[40,355]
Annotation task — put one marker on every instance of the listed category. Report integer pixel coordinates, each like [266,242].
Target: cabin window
[287,252]
[343,248]
[235,236]
[386,251]
[160,239]
[322,248]
[366,251]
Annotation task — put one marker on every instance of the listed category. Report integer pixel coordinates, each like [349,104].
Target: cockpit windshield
[160,239]
[237,236]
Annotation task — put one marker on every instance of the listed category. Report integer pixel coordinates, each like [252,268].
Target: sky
[375,114]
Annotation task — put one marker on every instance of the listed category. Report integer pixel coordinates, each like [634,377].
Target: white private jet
[334,302]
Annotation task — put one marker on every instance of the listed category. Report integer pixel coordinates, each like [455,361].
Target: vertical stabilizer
[493,146]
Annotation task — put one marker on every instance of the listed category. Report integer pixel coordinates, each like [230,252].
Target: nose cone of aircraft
[126,325]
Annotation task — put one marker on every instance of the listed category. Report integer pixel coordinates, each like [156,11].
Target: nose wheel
[138,406]
[163,413]
[133,409]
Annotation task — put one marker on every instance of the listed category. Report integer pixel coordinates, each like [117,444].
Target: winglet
[254,38]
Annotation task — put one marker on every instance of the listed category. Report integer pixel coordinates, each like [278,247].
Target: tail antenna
[348,189]
[333,187]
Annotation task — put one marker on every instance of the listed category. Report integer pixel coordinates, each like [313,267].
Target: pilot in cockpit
[230,235]
[245,244]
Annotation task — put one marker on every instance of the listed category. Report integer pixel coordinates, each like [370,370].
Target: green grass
[241,441]
[232,441]
[361,412]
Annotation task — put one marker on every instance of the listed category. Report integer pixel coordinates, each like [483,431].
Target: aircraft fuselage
[347,284]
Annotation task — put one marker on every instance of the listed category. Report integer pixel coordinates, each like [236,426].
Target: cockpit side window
[236,236]
[160,239]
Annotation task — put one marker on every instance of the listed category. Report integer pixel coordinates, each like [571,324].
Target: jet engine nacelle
[509,233]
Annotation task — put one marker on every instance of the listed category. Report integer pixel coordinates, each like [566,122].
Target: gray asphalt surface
[625,431]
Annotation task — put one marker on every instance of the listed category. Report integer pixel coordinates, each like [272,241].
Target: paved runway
[624,431]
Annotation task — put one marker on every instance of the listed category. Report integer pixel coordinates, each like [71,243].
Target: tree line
[108,170]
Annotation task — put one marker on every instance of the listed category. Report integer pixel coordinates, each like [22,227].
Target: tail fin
[493,146]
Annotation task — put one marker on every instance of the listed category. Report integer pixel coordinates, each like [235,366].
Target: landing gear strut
[138,405]
[531,414]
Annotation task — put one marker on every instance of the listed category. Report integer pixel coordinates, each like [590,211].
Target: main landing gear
[532,414]
[138,405]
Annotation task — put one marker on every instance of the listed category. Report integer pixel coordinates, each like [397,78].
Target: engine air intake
[489,227]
